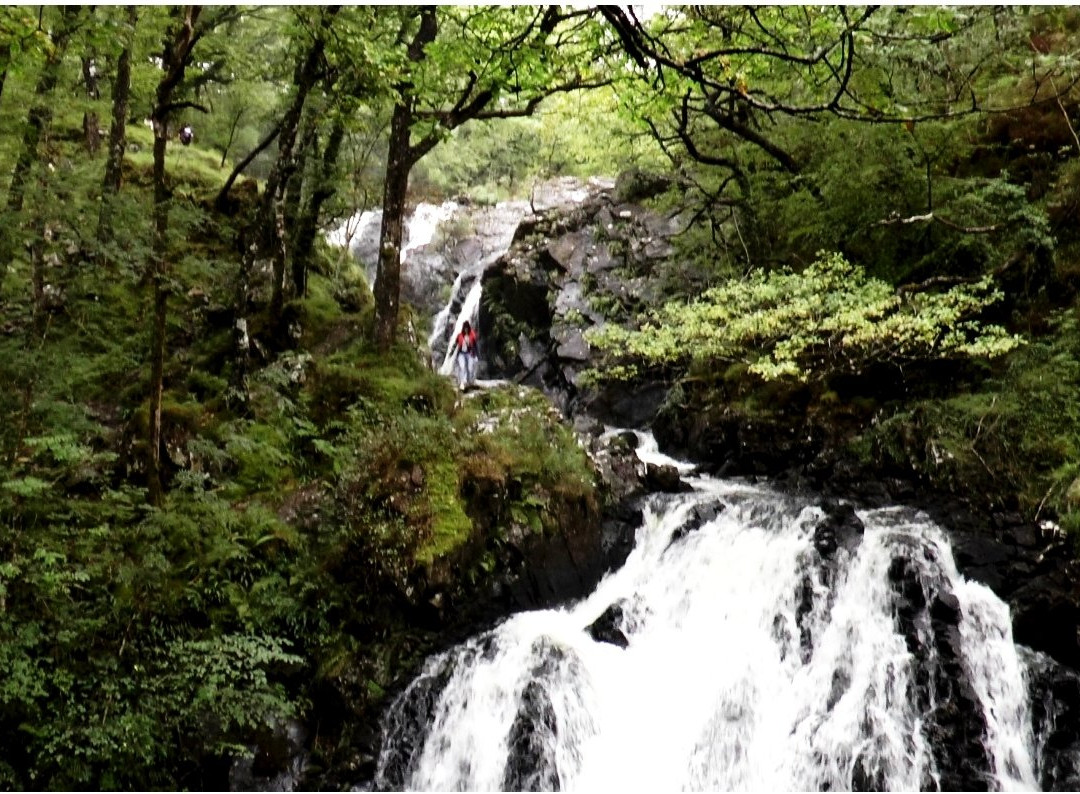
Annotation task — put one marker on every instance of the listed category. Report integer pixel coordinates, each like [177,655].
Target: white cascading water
[490,228]
[751,663]
[361,232]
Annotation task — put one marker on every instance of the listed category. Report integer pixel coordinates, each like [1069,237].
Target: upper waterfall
[446,248]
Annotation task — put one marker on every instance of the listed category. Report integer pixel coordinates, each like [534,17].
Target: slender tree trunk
[270,225]
[222,198]
[306,150]
[401,157]
[38,119]
[37,280]
[232,134]
[91,122]
[161,307]
[175,58]
[287,211]
[118,129]
[90,76]
[308,225]
[395,187]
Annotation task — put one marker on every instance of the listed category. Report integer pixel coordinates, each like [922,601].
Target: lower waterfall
[752,641]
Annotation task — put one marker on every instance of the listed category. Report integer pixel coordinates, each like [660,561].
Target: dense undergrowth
[308,507]
[836,372]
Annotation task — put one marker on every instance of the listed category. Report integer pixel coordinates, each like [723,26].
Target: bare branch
[169,108]
[931,217]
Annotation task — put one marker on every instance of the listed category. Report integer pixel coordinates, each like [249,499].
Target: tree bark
[292,201]
[38,119]
[403,155]
[395,187]
[91,132]
[399,162]
[307,149]
[221,201]
[232,134]
[5,58]
[161,301]
[90,77]
[37,281]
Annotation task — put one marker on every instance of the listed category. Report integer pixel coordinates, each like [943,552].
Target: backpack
[466,342]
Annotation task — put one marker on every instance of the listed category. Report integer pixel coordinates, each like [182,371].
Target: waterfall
[459,260]
[361,232]
[746,643]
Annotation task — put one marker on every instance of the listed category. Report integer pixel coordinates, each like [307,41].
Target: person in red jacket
[466,355]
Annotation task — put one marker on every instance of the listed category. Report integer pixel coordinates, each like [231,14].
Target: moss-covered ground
[310,506]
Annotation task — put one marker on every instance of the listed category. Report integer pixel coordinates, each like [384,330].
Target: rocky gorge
[603,258]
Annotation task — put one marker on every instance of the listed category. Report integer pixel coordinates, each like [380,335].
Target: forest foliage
[222,464]
[825,320]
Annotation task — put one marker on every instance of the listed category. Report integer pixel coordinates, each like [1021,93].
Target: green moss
[191,167]
[450,526]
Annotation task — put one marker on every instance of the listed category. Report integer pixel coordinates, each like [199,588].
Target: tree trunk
[161,302]
[395,186]
[90,76]
[400,159]
[38,119]
[232,134]
[175,58]
[270,221]
[308,225]
[37,280]
[285,217]
[221,201]
[91,132]
[118,129]
[307,149]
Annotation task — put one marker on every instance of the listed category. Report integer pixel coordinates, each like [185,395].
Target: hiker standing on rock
[466,355]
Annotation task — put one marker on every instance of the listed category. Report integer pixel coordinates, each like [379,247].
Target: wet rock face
[608,627]
[1055,718]
[276,761]
[664,478]
[560,278]
[408,721]
[1029,567]
[929,617]
[699,516]
[622,477]
[530,763]
[840,528]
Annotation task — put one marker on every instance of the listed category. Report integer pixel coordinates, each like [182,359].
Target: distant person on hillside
[187,134]
[466,355]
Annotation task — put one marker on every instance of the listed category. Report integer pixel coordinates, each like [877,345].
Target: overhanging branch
[932,217]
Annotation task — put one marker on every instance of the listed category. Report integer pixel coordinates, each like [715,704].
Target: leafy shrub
[828,319]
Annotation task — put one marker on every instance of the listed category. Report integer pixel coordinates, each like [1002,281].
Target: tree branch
[222,196]
[931,217]
[169,108]
[727,121]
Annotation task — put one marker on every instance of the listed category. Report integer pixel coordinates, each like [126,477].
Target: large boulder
[566,273]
